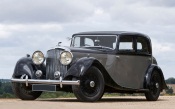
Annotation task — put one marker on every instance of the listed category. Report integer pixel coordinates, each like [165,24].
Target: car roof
[110,33]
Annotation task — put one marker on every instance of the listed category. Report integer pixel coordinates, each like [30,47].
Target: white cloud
[99,11]
[162,47]
[139,14]
[3,34]
[32,11]
[7,28]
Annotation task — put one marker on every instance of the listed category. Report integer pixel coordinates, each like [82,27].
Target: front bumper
[49,82]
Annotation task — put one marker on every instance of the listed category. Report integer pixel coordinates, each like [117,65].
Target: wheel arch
[148,75]
[26,66]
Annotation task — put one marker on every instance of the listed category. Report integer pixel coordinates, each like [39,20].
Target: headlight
[66,58]
[38,57]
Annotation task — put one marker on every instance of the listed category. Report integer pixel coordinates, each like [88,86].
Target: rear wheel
[154,88]
[91,86]
[25,92]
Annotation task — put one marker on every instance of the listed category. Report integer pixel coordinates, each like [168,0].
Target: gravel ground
[127,102]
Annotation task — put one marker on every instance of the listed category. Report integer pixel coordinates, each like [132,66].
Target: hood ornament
[59,43]
[61,47]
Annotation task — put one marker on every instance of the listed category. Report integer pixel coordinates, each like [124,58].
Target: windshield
[108,41]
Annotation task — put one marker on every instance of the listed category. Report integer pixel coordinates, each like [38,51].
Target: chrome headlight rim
[71,58]
[33,58]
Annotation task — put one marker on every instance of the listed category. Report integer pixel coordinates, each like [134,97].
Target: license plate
[43,87]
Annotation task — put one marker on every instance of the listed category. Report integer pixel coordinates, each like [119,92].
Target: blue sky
[29,25]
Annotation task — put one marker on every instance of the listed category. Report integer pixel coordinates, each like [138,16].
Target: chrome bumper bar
[49,82]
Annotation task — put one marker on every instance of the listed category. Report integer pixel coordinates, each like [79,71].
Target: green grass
[58,94]
[7,95]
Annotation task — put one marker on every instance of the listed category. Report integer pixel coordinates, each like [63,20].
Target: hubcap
[157,85]
[92,84]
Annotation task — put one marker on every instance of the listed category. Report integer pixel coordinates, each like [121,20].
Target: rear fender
[149,73]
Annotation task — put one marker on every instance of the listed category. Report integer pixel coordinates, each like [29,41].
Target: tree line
[6,89]
[170,80]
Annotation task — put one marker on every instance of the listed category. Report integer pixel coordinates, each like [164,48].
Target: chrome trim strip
[61,80]
[26,80]
[55,82]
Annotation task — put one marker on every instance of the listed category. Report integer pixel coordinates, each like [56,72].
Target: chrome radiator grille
[53,64]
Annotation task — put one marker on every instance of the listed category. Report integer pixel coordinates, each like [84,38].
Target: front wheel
[154,88]
[25,92]
[91,86]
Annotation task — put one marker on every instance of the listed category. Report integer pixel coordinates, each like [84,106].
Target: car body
[95,63]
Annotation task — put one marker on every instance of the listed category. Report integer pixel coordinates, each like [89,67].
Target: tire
[154,88]
[25,92]
[91,86]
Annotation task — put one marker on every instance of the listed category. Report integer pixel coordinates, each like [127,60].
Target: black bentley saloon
[95,63]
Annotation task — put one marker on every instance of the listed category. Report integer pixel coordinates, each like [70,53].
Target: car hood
[98,50]
[86,50]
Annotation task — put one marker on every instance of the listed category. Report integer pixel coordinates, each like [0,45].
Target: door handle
[117,57]
[149,59]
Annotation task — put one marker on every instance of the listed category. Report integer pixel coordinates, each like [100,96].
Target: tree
[170,80]
[0,83]
[5,87]
[169,90]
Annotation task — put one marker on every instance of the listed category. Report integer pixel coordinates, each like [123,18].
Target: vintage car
[95,63]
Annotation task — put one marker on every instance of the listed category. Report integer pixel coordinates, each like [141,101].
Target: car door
[133,59]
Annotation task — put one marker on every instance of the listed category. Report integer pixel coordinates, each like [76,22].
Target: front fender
[149,73]
[80,66]
[78,69]
[26,66]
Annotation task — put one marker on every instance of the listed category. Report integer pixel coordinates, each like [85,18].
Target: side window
[143,46]
[126,44]
[88,42]
[139,46]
